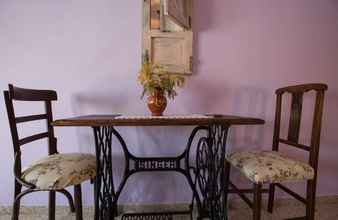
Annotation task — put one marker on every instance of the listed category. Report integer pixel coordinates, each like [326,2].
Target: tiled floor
[327,209]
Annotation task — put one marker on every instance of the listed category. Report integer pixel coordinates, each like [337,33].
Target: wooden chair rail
[298,218]
[240,194]
[21,94]
[30,118]
[290,143]
[292,193]
[246,191]
[32,138]
[302,88]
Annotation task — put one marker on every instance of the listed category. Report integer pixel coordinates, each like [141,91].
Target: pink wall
[89,51]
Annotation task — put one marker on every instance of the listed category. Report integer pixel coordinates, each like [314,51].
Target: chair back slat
[297,93]
[300,146]
[295,117]
[32,138]
[21,94]
[31,118]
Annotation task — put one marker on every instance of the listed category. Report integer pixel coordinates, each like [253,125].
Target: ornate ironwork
[209,172]
[104,183]
[205,175]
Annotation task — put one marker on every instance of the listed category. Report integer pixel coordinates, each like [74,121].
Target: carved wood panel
[295,117]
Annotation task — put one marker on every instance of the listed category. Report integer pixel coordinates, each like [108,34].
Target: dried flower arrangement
[154,78]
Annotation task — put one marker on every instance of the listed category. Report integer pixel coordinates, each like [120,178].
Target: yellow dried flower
[153,76]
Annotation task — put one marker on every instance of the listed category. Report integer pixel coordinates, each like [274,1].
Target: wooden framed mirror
[168,35]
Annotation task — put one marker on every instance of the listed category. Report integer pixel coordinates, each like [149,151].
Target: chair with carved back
[274,168]
[54,172]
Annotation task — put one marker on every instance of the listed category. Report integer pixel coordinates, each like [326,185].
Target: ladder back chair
[54,172]
[274,168]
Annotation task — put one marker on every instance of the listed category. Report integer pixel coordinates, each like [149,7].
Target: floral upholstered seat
[270,167]
[59,171]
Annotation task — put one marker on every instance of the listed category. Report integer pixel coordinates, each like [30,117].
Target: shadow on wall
[252,102]
[204,20]
[216,98]
[94,103]
[200,24]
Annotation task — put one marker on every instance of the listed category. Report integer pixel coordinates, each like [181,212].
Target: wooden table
[205,175]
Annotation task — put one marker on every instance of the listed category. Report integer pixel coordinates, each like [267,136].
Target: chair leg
[96,201]
[257,201]
[16,205]
[78,201]
[69,198]
[271,197]
[226,185]
[311,200]
[51,205]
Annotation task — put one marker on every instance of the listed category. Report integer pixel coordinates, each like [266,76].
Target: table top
[167,120]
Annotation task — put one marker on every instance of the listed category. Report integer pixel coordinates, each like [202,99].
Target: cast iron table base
[205,176]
